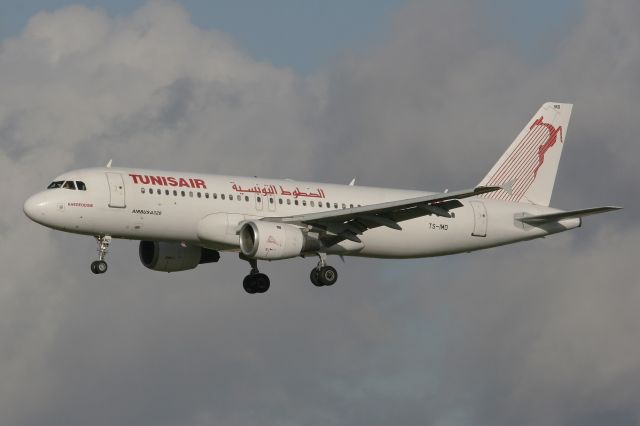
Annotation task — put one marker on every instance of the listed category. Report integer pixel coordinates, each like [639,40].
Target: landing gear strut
[100,266]
[323,274]
[255,282]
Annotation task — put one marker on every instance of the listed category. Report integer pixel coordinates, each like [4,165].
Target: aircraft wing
[554,217]
[346,224]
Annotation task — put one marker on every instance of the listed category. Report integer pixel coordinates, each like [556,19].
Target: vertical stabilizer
[527,170]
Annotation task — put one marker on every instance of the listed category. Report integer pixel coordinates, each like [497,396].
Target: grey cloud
[541,333]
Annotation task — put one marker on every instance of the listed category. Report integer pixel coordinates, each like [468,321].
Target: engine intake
[270,240]
[173,257]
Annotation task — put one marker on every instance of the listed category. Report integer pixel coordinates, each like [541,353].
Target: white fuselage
[168,206]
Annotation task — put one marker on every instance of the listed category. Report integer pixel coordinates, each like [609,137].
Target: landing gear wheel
[256,283]
[99,267]
[247,284]
[315,280]
[327,275]
[262,283]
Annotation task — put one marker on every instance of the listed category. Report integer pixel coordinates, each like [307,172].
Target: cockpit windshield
[69,184]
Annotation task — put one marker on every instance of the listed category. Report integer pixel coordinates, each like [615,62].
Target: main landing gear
[323,274]
[100,266]
[255,282]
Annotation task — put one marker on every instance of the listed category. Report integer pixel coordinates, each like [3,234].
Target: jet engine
[173,257]
[271,241]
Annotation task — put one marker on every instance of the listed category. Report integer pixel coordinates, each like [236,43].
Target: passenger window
[271,200]
[344,206]
[56,184]
[142,190]
[81,186]
[288,201]
[246,198]
[258,199]
[335,205]
[350,206]
[230,197]
[175,193]
[150,190]
[166,192]
[279,200]
[191,194]
[239,198]
[222,196]
[182,193]
[311,202]
[69,185]
[215,196]
[319,203]
[199,195]
[206,195]
[304,202]
[295,202]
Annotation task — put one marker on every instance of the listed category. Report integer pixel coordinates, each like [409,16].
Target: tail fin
[527,170]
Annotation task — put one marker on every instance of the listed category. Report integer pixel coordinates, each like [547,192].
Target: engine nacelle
[173,257]
[270,240]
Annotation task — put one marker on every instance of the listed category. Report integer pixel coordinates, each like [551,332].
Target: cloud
[538,333]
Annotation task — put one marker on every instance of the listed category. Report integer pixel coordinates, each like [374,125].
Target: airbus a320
[186,219]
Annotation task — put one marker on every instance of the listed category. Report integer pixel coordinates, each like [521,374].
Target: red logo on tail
[520,167]
[553,137]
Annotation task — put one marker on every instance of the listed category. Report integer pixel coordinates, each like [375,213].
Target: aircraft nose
[35,207]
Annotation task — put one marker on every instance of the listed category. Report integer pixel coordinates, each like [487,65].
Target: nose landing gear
[100,266]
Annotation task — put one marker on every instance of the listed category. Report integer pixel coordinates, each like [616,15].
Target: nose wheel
[100,266]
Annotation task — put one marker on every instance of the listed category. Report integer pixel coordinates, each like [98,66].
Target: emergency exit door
[116,190]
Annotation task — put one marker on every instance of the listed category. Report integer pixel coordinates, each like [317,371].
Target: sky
[413,94]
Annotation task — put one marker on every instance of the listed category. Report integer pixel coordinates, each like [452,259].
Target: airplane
[186,219]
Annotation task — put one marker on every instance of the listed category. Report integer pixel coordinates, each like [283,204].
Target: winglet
[353,182]
[478,190]
[508,186]
[109,163]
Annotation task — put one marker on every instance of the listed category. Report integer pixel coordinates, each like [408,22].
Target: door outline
[271,204]
[259,201]
[116,190]
[479,219]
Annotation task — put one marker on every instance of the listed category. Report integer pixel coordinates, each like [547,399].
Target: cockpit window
[81,186]
[56,184]
[69,185]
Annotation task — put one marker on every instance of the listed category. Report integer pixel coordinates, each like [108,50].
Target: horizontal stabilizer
[554,217]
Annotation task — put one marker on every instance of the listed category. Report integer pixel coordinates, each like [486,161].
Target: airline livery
[186,219]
